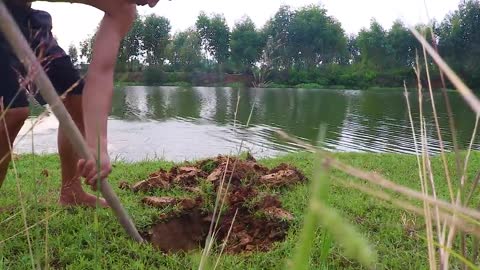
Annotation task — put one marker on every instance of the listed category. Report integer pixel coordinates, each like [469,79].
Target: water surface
[189,123]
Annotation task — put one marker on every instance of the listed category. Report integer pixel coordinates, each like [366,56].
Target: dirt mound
[252,219]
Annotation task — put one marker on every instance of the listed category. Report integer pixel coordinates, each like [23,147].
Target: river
[190,123]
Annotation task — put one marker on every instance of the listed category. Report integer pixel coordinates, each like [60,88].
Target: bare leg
[72,192]
[13,121]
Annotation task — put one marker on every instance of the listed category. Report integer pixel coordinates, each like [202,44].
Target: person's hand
[93,171]
[151,3]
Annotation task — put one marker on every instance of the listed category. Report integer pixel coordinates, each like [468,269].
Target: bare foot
[81,199]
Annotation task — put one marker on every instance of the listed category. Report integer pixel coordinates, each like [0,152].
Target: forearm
[98,89]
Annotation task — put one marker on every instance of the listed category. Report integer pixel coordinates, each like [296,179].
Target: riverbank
[85,239]
[205,79]
[270,86]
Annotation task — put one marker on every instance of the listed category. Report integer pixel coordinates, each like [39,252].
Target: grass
[271,85]
[75,243]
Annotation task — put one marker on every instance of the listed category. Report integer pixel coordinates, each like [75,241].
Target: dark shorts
[59,67]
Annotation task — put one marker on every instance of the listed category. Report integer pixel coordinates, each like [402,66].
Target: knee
[18,115]
[73,104]
[15,118]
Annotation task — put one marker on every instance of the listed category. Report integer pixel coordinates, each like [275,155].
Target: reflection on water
[188,123]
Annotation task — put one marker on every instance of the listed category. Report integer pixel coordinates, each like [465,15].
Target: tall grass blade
[318,213]
[461,87]
[301,257]
[354,244]
[19,191]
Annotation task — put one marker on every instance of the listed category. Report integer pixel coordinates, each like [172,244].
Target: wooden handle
[25,54]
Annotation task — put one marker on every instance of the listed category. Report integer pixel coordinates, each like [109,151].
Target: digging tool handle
[24,53]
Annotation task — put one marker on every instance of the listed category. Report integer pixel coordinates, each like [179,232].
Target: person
[88,101]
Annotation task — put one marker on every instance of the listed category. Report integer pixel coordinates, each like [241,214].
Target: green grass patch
[277,85]
[178,84]
[74,241]
[309,86]
[235,85]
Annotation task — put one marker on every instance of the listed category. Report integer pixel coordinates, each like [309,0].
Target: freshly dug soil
[251,220]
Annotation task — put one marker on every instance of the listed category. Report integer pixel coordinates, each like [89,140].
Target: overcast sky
[73,22]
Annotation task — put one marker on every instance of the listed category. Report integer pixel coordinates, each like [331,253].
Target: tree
[215,36]
[130,48]
[155,37]
[246,44]
[459,41]
[402,45]
[277,31]
[373,46]
[316,38]
[353,50]
[185,51]
[72,52]
[86,49]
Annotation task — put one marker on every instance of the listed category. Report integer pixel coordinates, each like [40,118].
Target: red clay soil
[258,218]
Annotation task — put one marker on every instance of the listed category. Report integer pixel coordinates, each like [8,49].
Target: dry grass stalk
[474,103]
[439,133]
[463,89]
[471,215]
[225,241]
[19,190]
[419,164]
[423,169]
[404,204]
[27,229]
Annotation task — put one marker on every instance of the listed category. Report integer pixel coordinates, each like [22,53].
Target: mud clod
[124,185]
[187,176]
[256,217]
[162,202]
[283,175]
[158,180]
[45,173]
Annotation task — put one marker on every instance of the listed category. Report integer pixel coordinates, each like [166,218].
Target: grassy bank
[92,239]
[272,85]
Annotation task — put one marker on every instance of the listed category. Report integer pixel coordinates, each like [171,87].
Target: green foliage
[277,85]
[86,49]
[246,45]
[309,86]
[130,48]
[298,46]
[235,85]
[277,31]
[185,51]
[380,49]
[402,46]
[178,84]
[72,52]
[154,75]
[315,38]
[209,166]
[459,41]
[215,36]
[373,46]
[155,38]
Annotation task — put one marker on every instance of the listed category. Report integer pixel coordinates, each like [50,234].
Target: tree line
[296,46]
